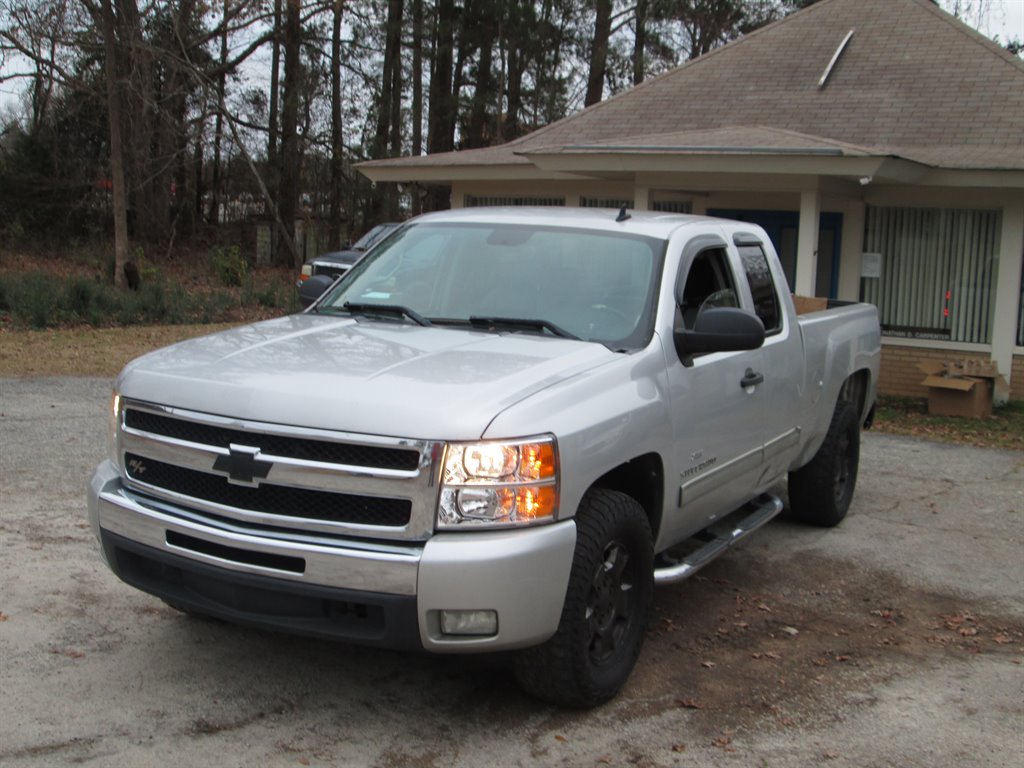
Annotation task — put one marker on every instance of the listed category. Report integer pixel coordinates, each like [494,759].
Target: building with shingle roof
[879,142]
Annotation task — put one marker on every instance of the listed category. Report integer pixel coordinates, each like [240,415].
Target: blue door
[783,228]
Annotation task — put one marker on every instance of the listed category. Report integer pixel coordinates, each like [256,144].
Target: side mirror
[312,289]
[719,329]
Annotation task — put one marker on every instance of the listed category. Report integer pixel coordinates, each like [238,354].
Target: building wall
[1017,384]
[899,374]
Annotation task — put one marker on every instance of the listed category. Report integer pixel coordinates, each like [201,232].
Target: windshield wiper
[386,309]
[520,324]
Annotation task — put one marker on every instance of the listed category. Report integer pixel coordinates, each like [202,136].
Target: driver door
[716,421]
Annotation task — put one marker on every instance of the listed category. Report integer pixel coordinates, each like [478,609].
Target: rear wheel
[820,492]
[607,604]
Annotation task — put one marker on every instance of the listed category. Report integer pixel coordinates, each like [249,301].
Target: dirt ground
[896,639]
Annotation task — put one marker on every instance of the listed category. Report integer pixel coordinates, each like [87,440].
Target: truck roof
[648,223]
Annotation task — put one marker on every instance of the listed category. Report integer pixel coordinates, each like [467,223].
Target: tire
[607,607]
[820,492]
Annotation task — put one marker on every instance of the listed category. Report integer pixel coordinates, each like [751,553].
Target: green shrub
[268,297]
[80,297]
[214,306]
[34,300]
[12,233]
[230,267]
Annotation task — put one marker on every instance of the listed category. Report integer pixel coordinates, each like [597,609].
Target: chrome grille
[271,499]
[281,477]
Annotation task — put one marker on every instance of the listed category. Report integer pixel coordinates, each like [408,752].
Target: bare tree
[337,146]
[290,172]
[599,51]
[105,15]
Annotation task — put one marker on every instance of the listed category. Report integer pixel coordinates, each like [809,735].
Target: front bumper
[374,593]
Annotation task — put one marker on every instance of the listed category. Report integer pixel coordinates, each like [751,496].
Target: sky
[1004,18]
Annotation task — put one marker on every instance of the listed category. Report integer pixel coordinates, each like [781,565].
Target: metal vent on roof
[835,58]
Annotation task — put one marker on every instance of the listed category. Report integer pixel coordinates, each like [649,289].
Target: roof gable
[912,81]
[911,75]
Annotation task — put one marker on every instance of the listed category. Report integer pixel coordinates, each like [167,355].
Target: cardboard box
[806,304]
[961,387]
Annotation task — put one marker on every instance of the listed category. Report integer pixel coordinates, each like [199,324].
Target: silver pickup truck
[499,431]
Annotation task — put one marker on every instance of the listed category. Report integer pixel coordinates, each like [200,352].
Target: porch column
[641,198]
[807,243]
[851,250]
[1011,256]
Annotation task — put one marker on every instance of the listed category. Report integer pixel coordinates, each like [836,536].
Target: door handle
[751,379]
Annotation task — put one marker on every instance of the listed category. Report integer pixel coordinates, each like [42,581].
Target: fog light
[469,622]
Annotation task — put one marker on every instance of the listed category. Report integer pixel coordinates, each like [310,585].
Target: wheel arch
[642,479]
[855,389]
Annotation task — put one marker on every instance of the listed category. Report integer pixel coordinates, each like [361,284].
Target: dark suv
[334,264]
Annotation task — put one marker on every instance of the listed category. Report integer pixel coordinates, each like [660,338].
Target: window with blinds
[937,271]
[672,206]
[476,201]
[605,202]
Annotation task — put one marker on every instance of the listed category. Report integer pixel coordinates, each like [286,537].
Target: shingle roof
[912,82]
[736,139]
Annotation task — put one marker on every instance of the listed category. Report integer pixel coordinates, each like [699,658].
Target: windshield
[595,286]
[371,237]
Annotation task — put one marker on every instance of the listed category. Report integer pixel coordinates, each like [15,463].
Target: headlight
[307,272]
[112,431]
[499,484]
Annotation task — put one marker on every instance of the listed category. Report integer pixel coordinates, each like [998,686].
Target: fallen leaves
[689,704]
[724,742]
[71,653]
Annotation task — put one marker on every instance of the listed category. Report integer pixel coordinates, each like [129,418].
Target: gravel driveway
[894,640]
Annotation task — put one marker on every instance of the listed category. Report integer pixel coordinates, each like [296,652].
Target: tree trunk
[515,91]
[440,108]
[337,147]
[599,52]
[117,177]
[486,26]
[639,41]
[289,167]
[395,32]
[218,126]
[197,170]
[273,176]
[417,93]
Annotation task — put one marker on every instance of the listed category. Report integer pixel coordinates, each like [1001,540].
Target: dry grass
[909,416]
[85,351]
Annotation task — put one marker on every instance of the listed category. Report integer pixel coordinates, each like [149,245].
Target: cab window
[709,283]
[762,287]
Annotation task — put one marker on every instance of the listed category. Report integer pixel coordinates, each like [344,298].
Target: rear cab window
[762,285]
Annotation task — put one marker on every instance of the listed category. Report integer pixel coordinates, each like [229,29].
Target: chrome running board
[748,519]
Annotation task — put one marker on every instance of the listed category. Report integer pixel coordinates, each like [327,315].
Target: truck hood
[372,377]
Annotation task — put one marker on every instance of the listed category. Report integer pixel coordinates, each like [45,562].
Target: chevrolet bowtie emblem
[243,466]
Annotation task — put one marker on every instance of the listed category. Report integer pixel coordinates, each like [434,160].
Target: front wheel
[821,491]
[607,604]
